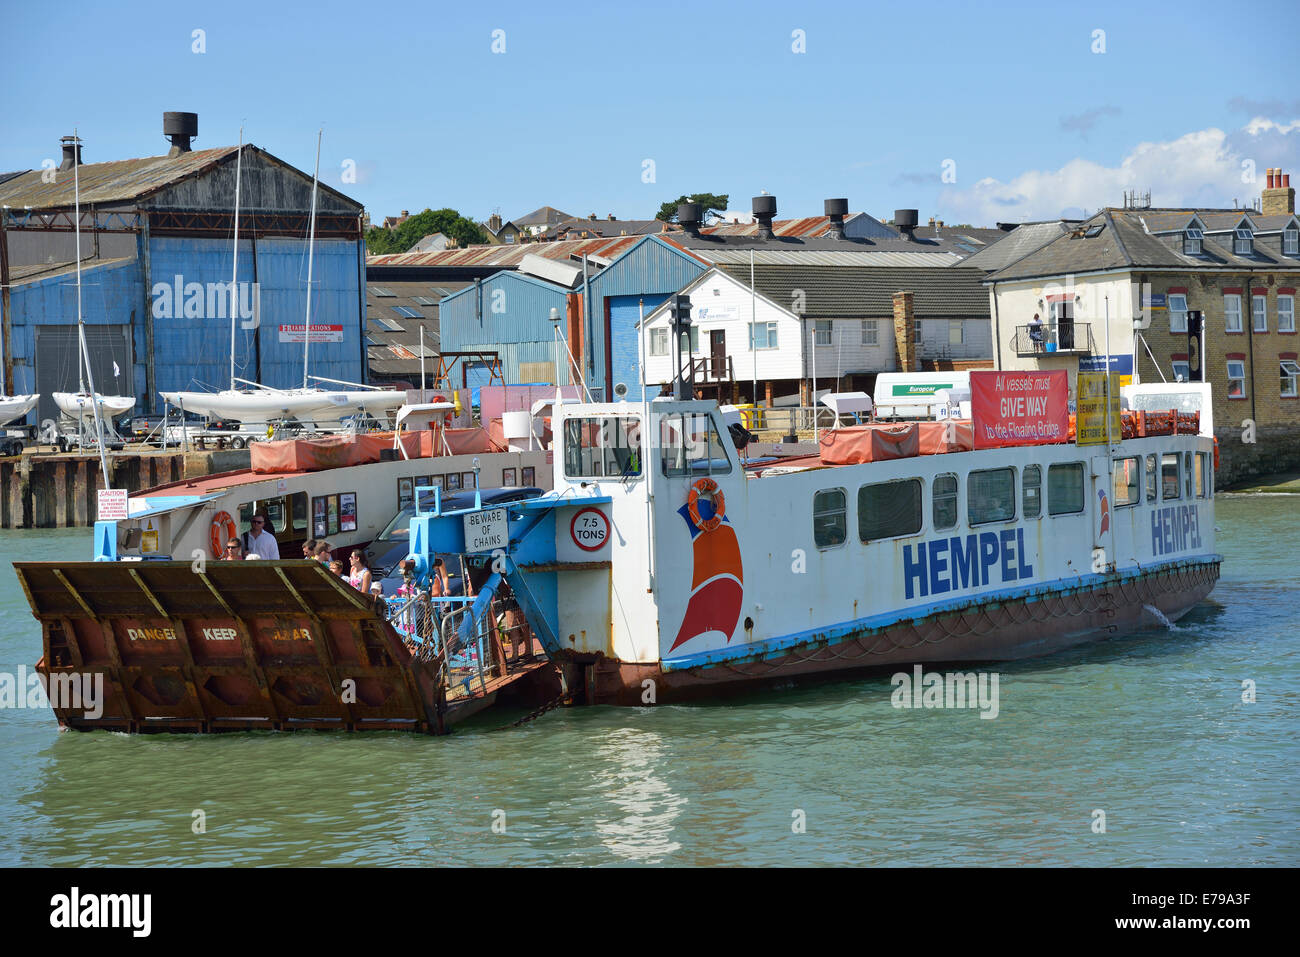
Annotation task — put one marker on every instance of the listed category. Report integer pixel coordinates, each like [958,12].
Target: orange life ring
[693,504]
[222,530]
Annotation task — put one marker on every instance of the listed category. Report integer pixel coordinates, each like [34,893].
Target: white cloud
[1204,168]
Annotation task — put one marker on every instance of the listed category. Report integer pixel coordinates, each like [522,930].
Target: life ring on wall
[222,531]
[706,485]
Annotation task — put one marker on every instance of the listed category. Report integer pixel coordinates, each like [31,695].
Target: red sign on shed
[1020,408]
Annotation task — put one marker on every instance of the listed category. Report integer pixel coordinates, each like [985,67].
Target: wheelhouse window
[1259,313]
[889,509]
[1031,491]
[1202,475]
[943,491]
[870,332]
[1065,488]
[1177,312]
[1192,239]
[1286,313]
[689,445]
[1243,242]
[1232,313]
[762,335]
[659,342]
[1187,475]
[1170,488]
[1290,371]
[1125,487]
[602,446]
[1153,481]
[1236,378]
[991,496]
[830,517]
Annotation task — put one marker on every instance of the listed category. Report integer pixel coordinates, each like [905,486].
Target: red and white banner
[1020,408]
[297,332]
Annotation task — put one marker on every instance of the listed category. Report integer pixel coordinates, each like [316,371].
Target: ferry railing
[432,629]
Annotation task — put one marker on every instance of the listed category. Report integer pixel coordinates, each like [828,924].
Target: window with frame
[1153,479]
[1031,491]
[889,509]
[943,492]
[1200,474]
[1124,481]
[830,517]
[1243,242]
[1290,371]
[1170,487]
[991,496]
[1232,313]
[956,332]
[1291,241]
[689,446]
[1182,370]
[870,332]
[1065,488]
[1187,475]
[822,332]
[1177,303]
[659,342]
[1286,313]
[1192,239]
[1236,378]
[600,446]
[762,335]
[1259,313]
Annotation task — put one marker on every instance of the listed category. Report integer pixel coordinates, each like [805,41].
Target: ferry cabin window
[944,493]
[991,496]
[1187,475]
[1031,491]
[1169,477]
[601,446]
[1152,480]
[1125,490]
[830,517]
[689,446]
[1201,483]
[889,509]
[1065,488]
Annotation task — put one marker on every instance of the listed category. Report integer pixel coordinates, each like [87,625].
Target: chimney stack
[688,215]
[836,210]
[180,128]
[1278,198]
[764,211]
[71,152]
[494,223]
[905,221]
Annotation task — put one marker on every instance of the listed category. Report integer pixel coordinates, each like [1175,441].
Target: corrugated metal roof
[866,293]
[821,257]
[42,271]
[508,256]
[111,182]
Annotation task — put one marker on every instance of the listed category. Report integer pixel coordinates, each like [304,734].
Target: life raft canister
[710,487]
[222,531]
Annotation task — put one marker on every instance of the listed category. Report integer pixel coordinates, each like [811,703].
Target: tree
[449,222]
[710,205]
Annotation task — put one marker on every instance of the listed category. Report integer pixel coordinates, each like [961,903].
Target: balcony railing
[708,370]
[1072,338]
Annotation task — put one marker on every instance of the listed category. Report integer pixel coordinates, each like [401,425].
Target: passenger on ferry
[258,540]
[377,593]
[309,549]
[336,567]
[234,551]
[359,576]
[440,574]
[322,553]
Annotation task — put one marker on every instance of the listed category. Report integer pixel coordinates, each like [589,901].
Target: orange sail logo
[717,576]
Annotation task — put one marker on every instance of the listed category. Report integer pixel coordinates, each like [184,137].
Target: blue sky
[1034,122]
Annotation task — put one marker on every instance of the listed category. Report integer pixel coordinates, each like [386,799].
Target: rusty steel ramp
[238,646]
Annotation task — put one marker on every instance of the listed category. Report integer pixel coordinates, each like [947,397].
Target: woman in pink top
[359,576]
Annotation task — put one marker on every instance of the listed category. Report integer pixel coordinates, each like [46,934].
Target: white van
[914,395]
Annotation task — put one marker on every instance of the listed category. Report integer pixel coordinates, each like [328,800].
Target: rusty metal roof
[112,182]
[509,256]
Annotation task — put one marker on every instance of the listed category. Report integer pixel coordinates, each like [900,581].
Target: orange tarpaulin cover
[875,443]
[313,455]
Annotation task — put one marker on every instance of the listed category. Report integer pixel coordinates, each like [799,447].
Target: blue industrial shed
[156,249]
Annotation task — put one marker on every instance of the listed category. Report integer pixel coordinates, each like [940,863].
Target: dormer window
[1291,241]
[1192,238]
[1243,242]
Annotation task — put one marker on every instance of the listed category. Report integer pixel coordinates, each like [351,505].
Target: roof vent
[905,221]
[180,128]
[688,214]
[836,210]
[764,211]
[71,152]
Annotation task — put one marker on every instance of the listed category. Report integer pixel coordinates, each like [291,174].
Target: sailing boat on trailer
[261,403]
[82,405]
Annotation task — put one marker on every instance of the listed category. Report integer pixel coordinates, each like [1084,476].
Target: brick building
[1124,282]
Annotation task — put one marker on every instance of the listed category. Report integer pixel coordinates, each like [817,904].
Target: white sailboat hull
[79,405]
[324,408]
[16,406]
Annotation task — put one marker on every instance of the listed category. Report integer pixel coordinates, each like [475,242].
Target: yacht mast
[234,278]
[311,248]
[81,322]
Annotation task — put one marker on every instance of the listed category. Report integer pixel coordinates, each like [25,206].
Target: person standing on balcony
[1036,332]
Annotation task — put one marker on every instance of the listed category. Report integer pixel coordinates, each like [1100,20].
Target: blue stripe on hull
[768,647]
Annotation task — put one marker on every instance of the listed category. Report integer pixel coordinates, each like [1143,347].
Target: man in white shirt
[259,540]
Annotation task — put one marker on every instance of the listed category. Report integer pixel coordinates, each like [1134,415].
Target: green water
[1148,727]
